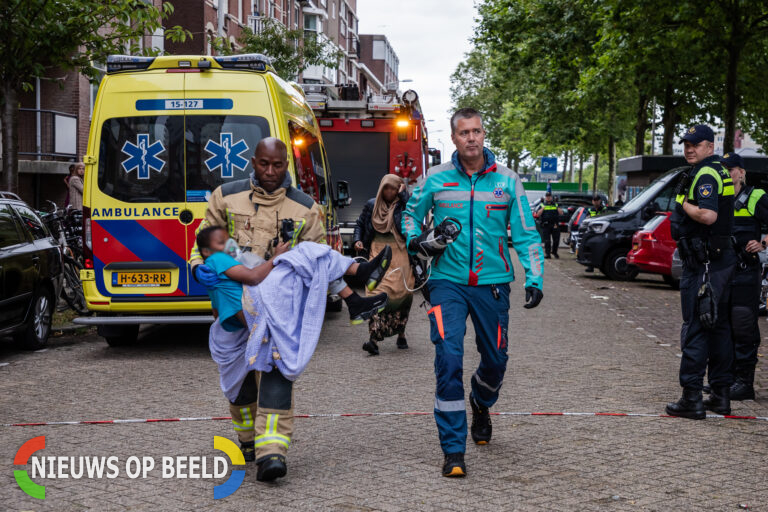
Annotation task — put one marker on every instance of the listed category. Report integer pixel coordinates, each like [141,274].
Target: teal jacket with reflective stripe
[485,204]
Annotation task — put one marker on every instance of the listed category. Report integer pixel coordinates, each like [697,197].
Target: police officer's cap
[698,133]
[596,198]
[731,160]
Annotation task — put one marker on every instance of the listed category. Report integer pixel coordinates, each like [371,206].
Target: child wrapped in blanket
[226,296]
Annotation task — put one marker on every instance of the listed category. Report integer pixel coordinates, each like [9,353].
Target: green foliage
[291,51]
[572,75]
[72,34]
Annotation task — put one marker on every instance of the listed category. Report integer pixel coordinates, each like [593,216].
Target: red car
[652,249]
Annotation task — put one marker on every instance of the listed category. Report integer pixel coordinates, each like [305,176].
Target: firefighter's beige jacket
[252,216]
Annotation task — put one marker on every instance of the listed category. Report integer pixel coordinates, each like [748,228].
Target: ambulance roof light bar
[255,61]
[116,63]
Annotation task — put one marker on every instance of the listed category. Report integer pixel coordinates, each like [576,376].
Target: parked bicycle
[66,226]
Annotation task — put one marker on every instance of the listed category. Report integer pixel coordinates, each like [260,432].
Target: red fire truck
[368,138]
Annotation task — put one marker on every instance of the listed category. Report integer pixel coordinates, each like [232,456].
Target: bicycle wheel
[72,291]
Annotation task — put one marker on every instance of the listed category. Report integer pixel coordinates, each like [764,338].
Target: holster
[706,304]
[693,251]
[746,259]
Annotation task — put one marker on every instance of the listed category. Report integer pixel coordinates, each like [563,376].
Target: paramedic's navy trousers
[452,303]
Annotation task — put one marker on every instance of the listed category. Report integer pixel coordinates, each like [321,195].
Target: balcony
[47,135]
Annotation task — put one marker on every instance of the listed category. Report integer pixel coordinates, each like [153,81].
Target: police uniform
[550,227]
[262,412]
[705,246]
[594,211]
[750,211]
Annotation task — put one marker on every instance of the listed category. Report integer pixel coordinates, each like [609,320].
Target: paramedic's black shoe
[402,343]
[271,468]
[371,347]
[363,308]
[690,405]
[372,272]
[481,422]
[453,466]
[547,257]
[249,452]
[557,257]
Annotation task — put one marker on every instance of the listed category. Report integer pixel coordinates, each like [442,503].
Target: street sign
[548,165]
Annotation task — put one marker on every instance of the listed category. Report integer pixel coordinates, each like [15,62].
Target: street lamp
[395,83]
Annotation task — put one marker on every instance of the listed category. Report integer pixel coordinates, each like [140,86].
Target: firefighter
[471,276]
[702,224]
[548,215]
[750,211]
[261,404]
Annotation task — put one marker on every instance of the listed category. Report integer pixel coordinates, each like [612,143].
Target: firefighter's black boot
[689,406]
[271,468]
[249,452]
[719,400]
[481,422]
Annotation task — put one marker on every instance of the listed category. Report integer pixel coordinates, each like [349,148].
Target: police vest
[723,226]
[750,210]
[549,212]
[594,211]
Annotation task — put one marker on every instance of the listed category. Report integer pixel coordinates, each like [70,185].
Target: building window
[310,23]
[102,70]
[333,9]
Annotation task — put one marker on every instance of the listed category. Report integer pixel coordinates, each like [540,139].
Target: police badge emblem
[705,190]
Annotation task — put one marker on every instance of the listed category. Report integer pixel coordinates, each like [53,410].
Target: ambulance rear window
[219,149]
[141,159]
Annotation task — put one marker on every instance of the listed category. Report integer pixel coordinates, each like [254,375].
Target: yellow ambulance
[166,131]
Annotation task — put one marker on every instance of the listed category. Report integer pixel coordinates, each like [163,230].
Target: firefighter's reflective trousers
[451,304]
[263,413]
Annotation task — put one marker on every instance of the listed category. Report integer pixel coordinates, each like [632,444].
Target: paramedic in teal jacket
[472,276]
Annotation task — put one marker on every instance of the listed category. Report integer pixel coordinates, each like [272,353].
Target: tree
[291,51]
[40,35]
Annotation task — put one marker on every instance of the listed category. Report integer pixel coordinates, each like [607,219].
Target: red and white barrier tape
[369,414]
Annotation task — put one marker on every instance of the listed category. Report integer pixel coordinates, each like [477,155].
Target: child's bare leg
[352,270]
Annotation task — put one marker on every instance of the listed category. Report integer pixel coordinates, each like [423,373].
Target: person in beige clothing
[76,187]
[377,227]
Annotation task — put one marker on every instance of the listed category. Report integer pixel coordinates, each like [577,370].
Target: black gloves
[532,297]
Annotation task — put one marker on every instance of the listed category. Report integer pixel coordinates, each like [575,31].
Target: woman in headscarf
[377,227]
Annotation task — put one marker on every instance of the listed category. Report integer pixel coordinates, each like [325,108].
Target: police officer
[750,211]
[548,213]
[597,206]
[702,224]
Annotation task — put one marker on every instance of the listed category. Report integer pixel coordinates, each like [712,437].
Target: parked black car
[605,240]
[30,274]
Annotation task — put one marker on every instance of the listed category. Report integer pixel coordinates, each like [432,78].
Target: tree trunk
[565,166]
[10,118]
[570,175]
[516,162]
[611,167]
[581,171]
[641,124]
[594,172]
[731,97]
[669,120]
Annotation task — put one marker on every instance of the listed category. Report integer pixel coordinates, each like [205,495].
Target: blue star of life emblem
[142,156]
[498,192]
[226,155]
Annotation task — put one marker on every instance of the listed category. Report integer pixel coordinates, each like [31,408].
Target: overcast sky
[430,38]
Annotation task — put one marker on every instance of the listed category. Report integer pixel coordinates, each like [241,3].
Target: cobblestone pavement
[577,352]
